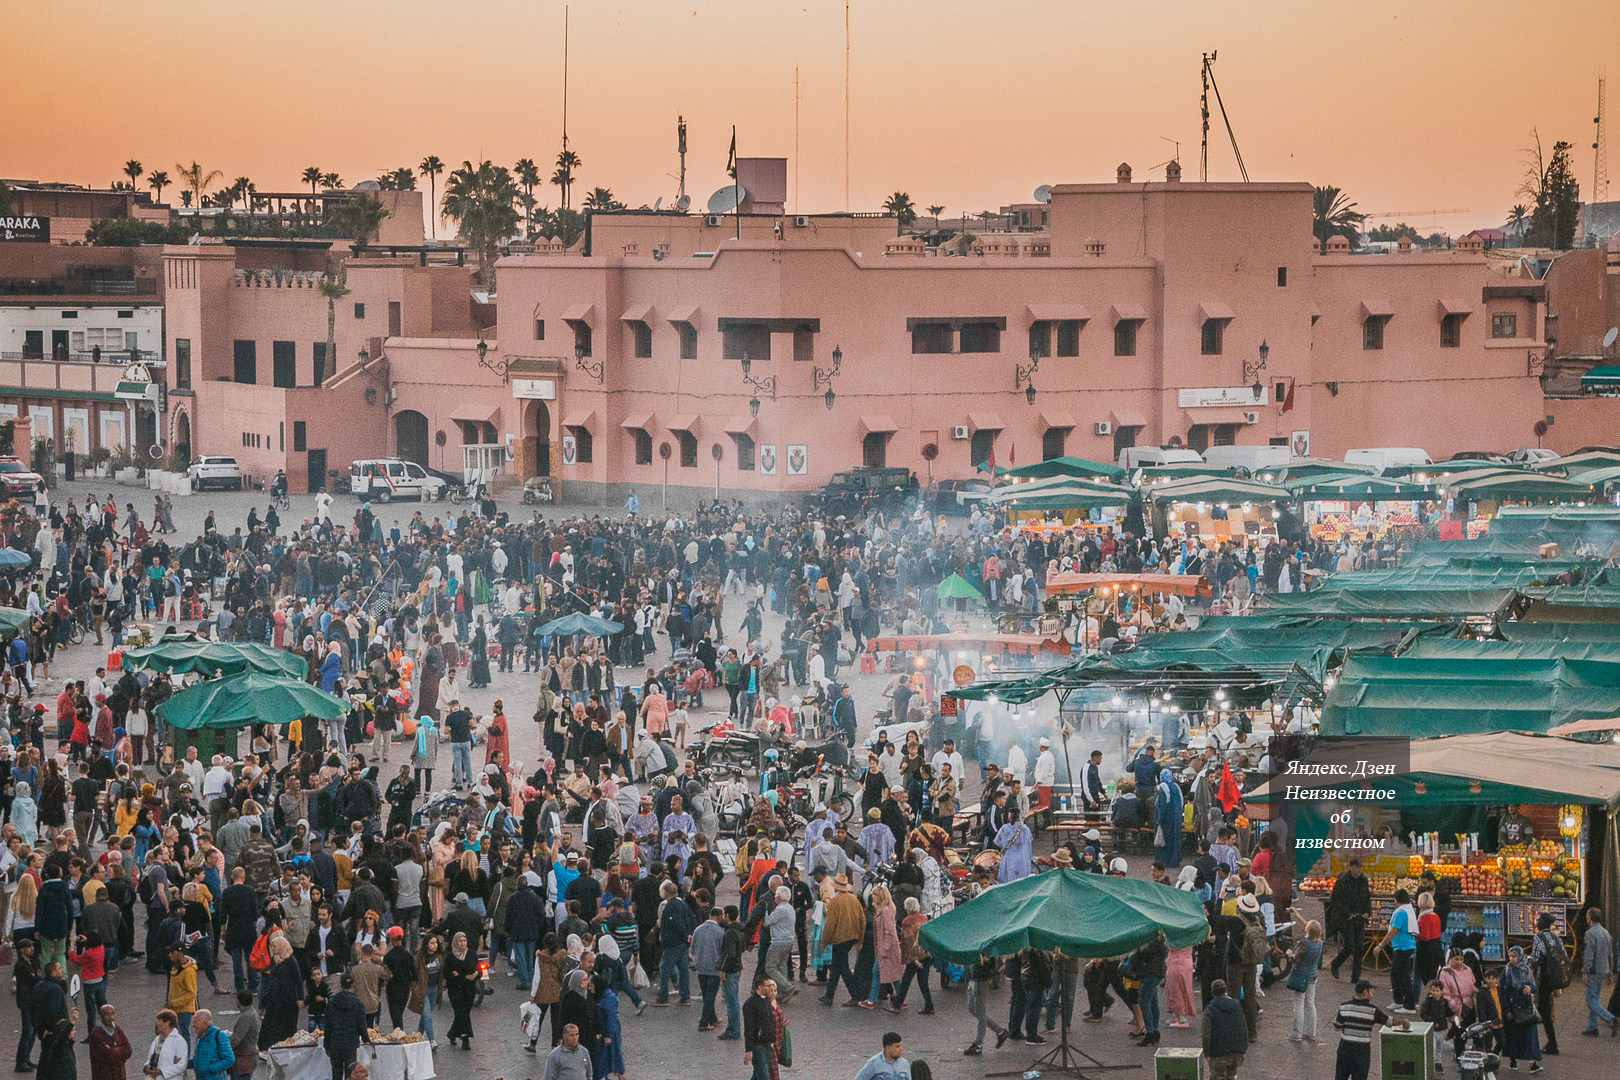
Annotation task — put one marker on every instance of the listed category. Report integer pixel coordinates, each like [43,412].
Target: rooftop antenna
[1209,83]
[846,106]
[565,100]
[680,146]
[1600,150]
[795,138]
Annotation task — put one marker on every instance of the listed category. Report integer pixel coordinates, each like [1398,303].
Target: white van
[1137,457]
[1385,458]
[1253,458]
[387,479]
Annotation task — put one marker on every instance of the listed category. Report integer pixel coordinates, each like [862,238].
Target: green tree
[527,173]
[934,212]
[157,181]
[1550,184]
[601,198]
[432,167]
[1333,215]
[567,163]
[1516,218]
[197,181]
[133,169]
[331,181]
[357,219]
[334,289]
[899,204]
[128,232]
[404,178]
[482,200]
[312,177]
[244,189]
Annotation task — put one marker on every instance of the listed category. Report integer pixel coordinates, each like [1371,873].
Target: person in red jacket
[91,958]
[109,1047]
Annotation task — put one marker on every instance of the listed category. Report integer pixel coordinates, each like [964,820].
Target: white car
[387,479]
[1533,455]
[215,471]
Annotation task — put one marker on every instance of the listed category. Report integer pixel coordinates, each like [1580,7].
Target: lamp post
[1024,376]
[595,369]
[1253,368]
[766,385]
[820,377]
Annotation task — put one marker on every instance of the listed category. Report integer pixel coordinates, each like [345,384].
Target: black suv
[865,490]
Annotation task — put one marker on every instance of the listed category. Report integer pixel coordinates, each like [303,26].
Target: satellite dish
[1608,339]
[1043,194]
[682,203]
[725,200]
[657,203]
[367,185]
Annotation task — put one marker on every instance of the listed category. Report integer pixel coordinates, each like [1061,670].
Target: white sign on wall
[542,389]
[1209,397]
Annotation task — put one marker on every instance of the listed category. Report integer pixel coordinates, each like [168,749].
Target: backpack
[259,957]
[1554,963]
[1254,941]
[145,890]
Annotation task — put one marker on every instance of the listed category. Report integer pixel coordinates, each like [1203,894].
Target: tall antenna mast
[1203,147]
[795,138]
[565,102]
[846,106]
[1210,83]
[680,145]
[1600,150]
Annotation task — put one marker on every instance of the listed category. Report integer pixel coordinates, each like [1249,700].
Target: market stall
[1355,506]
[210,713]
[402,1057]
[1215,510]
[1517,825]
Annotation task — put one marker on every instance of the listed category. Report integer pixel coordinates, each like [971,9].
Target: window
[1213,337]
[1282,277]
[740,339]
[1372,331]
[1451,330]
[300,435]
[318,366]
[393,318]
[688,443]
[1504,326]
[246,362]
[1052,443]
[583,450]
[982,445]
[1124,438]
[283,357]
[70,314]
[1125,337]
[804,344]
[641,333]
[582,338]
[875,449]
[182,363]
[931,337]
[643,446]
[1068,337]
[33,344]
[539,329]
[981,337]
[1040,338]
[745,452]
[359,311]
[126,314]
[687,333]
[281,435]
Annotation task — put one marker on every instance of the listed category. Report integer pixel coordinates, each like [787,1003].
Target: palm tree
[331,181]
[243,189]
[602,198]
[404,178]
[357,219]
[482,200]
[133,169]
[312,176]
[934,212]
[157,182]
[387,182]
[334,289]
[567,162]
[1335,215]
[431,167]
[196,180]
[899,204]
[527,174]
[1516,218]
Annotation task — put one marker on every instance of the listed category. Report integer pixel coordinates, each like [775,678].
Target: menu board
[1522,916]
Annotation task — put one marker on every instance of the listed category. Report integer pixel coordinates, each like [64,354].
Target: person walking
[1302,981]
[889,1063]
[568,1060]
[1149,964]
[843,928]
[1522,1026]
[346,1026]
[1224,1034]
[461,983]
[759,1028]
[211,1055]
[245,1035]
[917,961]
[1356,1020]
[979,976]
[109,1046]
[1597,964]
[1349,908]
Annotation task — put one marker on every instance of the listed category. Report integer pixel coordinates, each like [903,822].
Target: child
[1488,1010]
[1438,1011]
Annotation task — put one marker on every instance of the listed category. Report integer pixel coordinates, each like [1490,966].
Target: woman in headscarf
[608,1058]
[610,968]
[441,853]
[1179,1001]
[1016,844]
[461,981]
[495,737]
[936,897]
[479,650]
[890,959]
[907,883]
[576,1007]
[25,814]
[1521,1024]
[545,990]
[1168,820]
[574,950]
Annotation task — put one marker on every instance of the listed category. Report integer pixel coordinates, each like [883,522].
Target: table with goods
[396,1055]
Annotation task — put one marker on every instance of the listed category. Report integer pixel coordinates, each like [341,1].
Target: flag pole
[736,185]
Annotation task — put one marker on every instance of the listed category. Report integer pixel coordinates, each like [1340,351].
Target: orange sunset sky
[1415,105]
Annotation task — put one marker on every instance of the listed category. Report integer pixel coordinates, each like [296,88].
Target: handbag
[785,1059]
[1298,980]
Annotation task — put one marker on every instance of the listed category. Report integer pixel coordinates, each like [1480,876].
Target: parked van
[1137,457]
[1385,458]
[1253,458]
[387,479]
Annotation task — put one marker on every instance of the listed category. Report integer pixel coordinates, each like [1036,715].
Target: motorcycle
[1474,1063]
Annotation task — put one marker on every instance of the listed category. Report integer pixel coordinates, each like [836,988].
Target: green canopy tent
[1585,461]
[1061,493]
[250,697]
[1514,485]
[576,624]
[215,658]
[1441,470]
[1374,602]
[1559,631]
[957,587]
[1438,646]
[1217,490]
[1067,467]
[1601,378]
[1080,915]
[12,559]
[1302,470]
[1161,474]
[1360,488]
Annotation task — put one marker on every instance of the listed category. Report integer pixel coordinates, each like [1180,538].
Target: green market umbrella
[577,623]
[957,587]
[1080,914]
[215,658]
[251,697]
[12,559]
[13,620]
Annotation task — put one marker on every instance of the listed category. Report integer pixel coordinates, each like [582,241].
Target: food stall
[1216,510]
[1066,499]
[1356,506]
[394,1056]
[1447,817]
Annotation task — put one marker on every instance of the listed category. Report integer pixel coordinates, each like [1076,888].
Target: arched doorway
[540,433]
[411,437]
[182,437]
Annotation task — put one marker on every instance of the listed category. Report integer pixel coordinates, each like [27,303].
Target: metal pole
[666,484]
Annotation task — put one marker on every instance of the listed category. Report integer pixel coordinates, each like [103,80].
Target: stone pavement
[829,1044]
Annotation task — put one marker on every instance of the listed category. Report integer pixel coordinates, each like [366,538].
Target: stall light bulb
[1118,700]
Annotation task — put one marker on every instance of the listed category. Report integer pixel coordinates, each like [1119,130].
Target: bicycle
[281,501]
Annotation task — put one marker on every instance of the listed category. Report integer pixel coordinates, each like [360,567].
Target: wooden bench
[967,823]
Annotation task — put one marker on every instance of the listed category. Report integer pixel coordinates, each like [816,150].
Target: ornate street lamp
[1253,368]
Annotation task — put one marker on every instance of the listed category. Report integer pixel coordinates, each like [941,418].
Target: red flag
[1288,398]
[1227,793]
[1012,455]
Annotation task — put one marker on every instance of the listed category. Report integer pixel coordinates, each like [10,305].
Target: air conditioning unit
[801,221]
[959,432]
[712,219]
[1103,427]
[1251,418]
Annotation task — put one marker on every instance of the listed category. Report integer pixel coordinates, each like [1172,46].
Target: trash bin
[67,463]
[1407,1055]
[1178,1063]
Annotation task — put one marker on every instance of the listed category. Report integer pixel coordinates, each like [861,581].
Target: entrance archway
[541,434]
[411,437]
[182,437]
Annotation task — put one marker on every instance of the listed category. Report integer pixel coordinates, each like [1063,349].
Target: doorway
[411,437]
[542,439]
[182,439]
[317,471]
